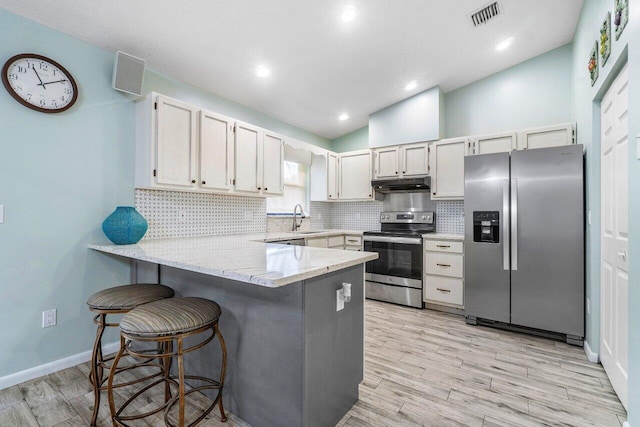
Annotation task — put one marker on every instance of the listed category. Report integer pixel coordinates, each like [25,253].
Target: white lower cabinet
[444,272]
[353,242]
[316,242]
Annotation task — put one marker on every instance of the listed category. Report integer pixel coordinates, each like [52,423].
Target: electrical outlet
[340,299]
[182,216]
[49,318]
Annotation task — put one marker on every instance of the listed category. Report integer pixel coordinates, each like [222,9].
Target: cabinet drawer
[318,242]
[443,246]
[353,248]
[443,264]
[335,241]
[443,289]
[353,240]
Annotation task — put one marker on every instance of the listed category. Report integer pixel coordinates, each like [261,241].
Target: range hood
[405,185]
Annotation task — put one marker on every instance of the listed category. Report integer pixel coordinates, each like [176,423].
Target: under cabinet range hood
[404,185]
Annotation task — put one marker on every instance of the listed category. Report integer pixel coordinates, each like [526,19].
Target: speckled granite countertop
[443,236]
[250,258]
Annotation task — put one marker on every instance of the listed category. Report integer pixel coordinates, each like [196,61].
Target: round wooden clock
[39,83]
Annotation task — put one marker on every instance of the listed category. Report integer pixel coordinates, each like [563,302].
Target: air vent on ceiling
[483,15]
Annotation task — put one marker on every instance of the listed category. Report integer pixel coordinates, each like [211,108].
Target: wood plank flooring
[423,368]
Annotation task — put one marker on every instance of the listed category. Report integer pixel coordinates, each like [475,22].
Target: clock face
[39,83]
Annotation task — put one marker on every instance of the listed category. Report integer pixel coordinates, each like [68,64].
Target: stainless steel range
[396,276]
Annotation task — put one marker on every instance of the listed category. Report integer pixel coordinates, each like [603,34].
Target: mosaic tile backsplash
[180,214]
[173,214]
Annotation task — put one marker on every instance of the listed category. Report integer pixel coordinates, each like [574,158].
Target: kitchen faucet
[296,226]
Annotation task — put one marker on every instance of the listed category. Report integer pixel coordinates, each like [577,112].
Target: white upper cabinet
[447,177]
[402,161]
[332,176]
[387,162]
[176,143]
[496,143]
[415,159]
[247,154]
[355,175]
[272,164]
[547,136]
[216,151]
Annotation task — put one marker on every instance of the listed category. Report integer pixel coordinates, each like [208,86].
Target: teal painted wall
[533,93]
[356,140]
[60,176]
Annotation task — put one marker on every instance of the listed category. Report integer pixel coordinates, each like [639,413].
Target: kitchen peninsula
[292,358]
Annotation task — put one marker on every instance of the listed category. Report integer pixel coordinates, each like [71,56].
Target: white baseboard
[56,365]
[593,357]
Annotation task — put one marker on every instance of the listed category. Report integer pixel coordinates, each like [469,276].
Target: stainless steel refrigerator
[524,240]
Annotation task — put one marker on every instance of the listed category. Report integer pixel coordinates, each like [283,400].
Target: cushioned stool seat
[116,300]
[164,322]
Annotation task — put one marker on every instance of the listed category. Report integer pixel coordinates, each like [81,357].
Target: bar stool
[164,322]
[116,300]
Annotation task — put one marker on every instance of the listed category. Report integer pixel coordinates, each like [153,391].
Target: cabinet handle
[265,188]
[352,241]
[259,188]
[369,195]
[330,195]
[444,265]
[204,182]
[404,171]
[396,172]
[443,246]
[443,290]
[193,181]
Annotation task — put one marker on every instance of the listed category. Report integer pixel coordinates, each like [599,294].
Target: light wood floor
[422,368]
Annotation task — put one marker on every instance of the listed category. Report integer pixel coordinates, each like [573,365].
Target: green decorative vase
[125,226]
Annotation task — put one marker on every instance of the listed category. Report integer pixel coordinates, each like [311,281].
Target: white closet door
[614,303]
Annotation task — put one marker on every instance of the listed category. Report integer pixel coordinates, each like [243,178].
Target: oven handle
[384,239]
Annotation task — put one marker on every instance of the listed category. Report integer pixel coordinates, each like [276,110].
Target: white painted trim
[591,356]
[626,424]
[54,366]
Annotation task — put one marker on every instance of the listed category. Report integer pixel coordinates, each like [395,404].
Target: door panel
[487,293]
[387,162]
[547,288]
[176,150]
[216,151]
[273,164]
[247,149]
[491,144]
[614,235]
[415,159]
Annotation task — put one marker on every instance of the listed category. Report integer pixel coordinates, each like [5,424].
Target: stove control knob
[424,217]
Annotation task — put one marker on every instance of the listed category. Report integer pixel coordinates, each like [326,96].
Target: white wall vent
[483,15]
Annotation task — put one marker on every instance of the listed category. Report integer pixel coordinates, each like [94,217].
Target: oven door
[399,260]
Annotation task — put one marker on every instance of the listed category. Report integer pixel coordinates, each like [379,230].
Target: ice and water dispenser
[486,226]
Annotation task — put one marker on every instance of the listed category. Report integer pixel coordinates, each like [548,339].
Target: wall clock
[39,83]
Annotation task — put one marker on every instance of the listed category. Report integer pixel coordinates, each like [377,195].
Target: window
[295,191]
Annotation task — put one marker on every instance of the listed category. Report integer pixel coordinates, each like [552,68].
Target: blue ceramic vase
[125,226]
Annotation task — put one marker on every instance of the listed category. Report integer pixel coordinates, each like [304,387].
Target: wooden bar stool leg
[95,378]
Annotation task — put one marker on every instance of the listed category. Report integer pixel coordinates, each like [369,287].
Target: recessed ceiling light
[503,44]
[343,117]
[348,14]
[411,85]
[262,71]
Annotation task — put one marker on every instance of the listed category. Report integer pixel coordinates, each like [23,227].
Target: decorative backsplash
[450,217]
[173,214]
[180,214]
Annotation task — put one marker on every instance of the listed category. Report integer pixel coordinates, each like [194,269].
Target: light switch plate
[1,214]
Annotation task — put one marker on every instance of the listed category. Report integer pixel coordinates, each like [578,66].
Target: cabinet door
[447,179]
[501,143]
[415,159]
[247,153]
[387,162]
[272,164]
[548,136]
[176,143]
[355,175]
[332,176]
[216,151]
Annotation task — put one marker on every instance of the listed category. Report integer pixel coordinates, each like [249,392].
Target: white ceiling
[320,65]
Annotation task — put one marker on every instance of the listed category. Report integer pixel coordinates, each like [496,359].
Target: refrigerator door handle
[514,224]
[505,224]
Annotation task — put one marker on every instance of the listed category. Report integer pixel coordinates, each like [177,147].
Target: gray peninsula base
[292,359]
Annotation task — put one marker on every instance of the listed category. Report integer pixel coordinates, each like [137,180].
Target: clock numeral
[62,98]
[43,102]
[19,87]
[67,91]
[43,66]
[22,69]
[55,71]
[54,103]
[13,76]
[28,97]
